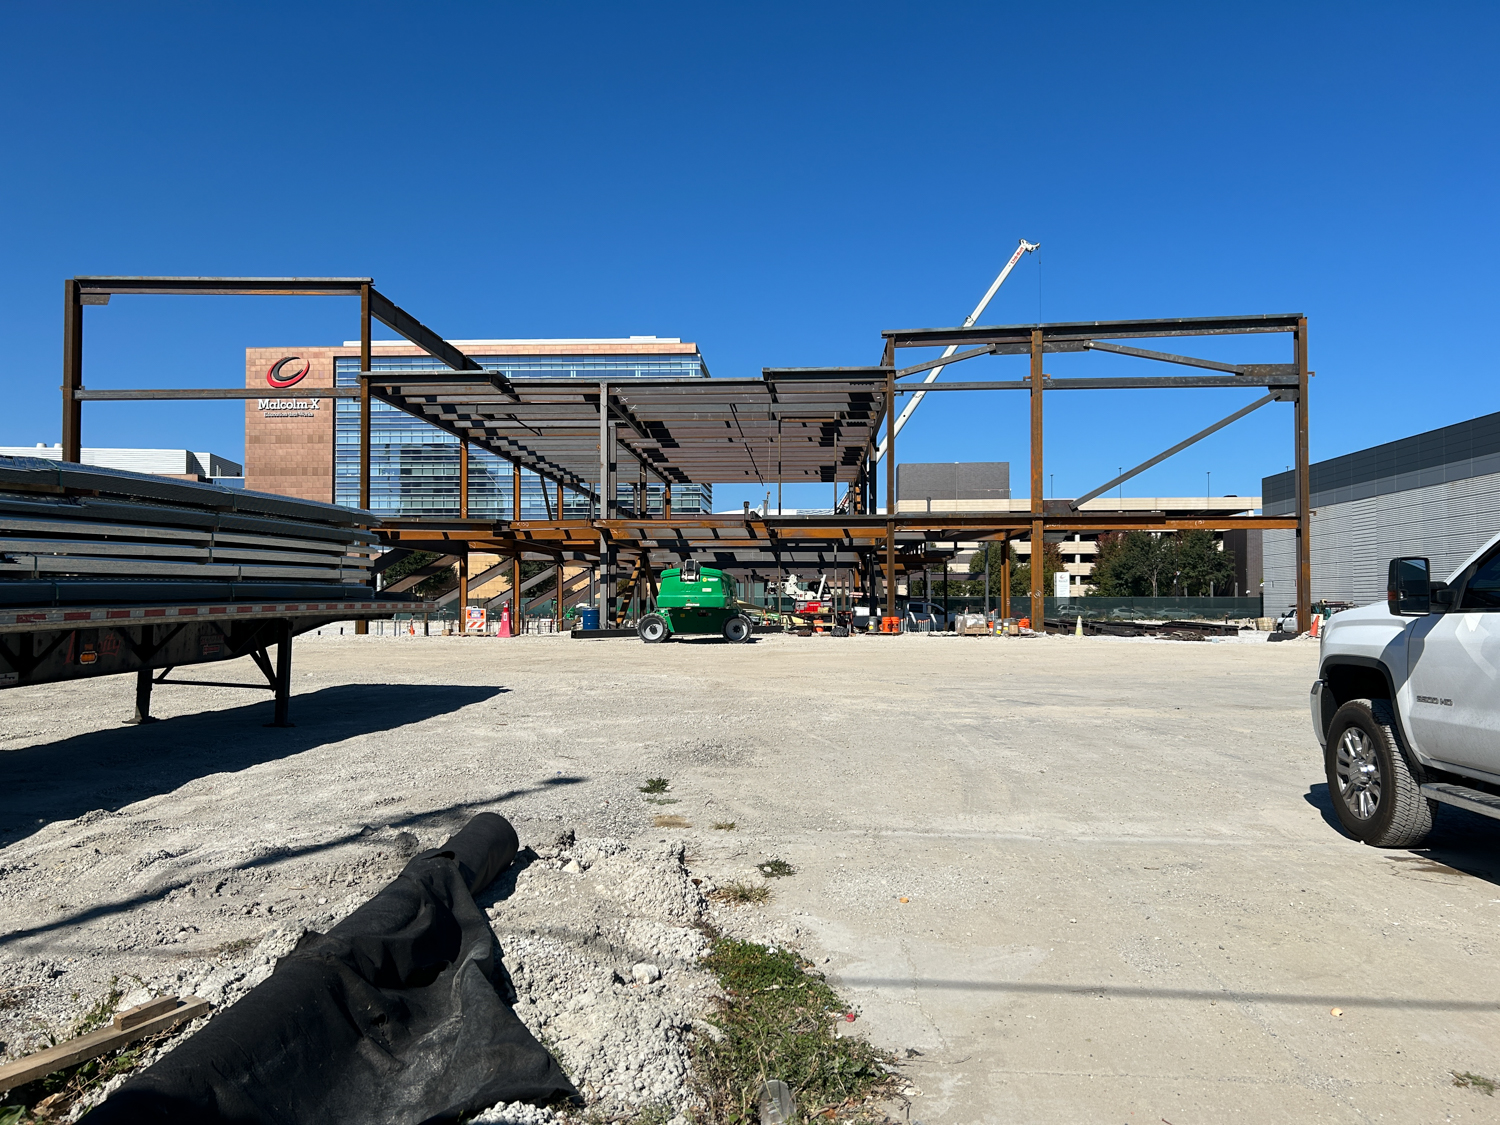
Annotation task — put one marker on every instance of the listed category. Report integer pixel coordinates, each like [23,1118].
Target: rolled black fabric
[396,1015]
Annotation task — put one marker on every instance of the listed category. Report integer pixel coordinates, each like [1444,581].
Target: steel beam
[1127,383]
[1077,332]
[207,393]
[404,324]
[1178,448]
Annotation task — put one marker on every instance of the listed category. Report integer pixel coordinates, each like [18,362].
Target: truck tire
[653,629]
[1377,798]
[737,629]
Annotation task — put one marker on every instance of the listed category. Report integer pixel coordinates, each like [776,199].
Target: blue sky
[777,184]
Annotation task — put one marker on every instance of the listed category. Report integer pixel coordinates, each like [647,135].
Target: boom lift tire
[737,629]
[1375,794]
[653,629]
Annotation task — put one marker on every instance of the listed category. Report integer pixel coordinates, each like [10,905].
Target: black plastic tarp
[397,1014]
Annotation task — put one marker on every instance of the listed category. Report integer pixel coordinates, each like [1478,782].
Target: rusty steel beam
[72,410]
[1304,484]
[1178,448]
[1038,499]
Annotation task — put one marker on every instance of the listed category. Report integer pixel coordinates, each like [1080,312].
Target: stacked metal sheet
[81,535]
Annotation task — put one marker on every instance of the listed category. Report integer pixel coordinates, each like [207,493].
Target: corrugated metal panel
[1353,542]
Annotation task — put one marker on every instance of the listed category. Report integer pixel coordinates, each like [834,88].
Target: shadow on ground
[117,766]
[1462,843]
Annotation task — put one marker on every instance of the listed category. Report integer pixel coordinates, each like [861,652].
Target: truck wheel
[737,629]
[1377,798]
[652,629]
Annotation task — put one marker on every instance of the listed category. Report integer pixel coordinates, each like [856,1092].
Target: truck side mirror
[1409,588]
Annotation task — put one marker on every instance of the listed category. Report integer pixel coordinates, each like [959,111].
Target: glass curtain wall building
[414,466]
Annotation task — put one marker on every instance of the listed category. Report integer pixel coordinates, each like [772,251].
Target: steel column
[362,626]
[515,490]
[72,413]
[463,480]
[1304,486]
[557,579]
[515,590]
[463,591]
[890,493]
[1038,496]
[1005,579]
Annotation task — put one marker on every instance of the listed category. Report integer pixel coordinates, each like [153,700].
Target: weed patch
[724,825]
[741,894]
[775,868]
[662,801]
[655,785]
[1475,1082]
[777,1021]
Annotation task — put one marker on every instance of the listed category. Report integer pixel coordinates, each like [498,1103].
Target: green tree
[1202,566]
[1134,564]
[1020,573]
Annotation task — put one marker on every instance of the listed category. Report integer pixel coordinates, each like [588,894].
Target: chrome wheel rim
[1358,772]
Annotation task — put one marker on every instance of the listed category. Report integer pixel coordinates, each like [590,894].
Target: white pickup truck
[1407,701]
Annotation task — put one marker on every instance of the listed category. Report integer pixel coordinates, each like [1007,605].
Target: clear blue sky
[777,184]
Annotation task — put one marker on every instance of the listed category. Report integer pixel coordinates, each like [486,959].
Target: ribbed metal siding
[1353,542]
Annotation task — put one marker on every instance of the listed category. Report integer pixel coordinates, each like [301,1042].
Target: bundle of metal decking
[81,535]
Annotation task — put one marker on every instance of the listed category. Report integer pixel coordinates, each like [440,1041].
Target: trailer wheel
[737,629]
[1376,796]
[653,629]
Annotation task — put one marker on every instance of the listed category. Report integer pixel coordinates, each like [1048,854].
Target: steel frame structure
[674,429]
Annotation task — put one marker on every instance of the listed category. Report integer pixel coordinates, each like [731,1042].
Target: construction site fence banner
[1117,609]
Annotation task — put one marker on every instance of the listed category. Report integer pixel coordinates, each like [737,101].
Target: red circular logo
[274,376]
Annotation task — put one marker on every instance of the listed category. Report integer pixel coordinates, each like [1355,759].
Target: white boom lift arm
[916,399]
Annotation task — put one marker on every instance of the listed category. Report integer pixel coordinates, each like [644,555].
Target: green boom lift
[695,599]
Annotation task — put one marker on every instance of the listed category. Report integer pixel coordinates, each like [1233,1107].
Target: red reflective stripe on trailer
[188,611]
[244,609]
[112,614]
[77,616]
[218,609]
[155,613]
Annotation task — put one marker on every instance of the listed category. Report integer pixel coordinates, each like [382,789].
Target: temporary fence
[1121,609]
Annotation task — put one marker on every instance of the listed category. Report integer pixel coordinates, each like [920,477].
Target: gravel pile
[601,940]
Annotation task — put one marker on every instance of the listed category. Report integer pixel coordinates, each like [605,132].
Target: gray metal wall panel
[1353,542]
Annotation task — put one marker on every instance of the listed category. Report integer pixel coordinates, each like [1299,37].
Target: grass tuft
[741,893]
[1475,1082]
[669,821]
[655,785]
[777,1021]
[776,868]
[724,825]
[662,801]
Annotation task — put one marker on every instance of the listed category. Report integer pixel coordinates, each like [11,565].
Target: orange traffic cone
[504,621]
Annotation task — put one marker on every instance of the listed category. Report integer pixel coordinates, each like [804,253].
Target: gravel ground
[1066,880]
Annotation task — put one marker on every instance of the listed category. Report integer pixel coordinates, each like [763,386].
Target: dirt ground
[1066,880]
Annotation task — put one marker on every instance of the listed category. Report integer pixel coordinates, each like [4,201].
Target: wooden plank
[133,1017]
[97,1043]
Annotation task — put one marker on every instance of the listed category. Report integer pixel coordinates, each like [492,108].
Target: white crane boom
[916,399]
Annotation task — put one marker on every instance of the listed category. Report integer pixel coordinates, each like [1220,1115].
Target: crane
[916,399]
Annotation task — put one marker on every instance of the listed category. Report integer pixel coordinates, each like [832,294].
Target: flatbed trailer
[56,644]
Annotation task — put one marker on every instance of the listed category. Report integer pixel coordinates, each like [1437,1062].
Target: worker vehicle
[1407,701]
[694,599]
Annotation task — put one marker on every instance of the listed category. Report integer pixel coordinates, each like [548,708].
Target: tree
[1020,573]
[1139,564]
[1202,566]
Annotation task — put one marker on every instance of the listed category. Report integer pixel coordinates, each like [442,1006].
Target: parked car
[1407,701]
[928,614]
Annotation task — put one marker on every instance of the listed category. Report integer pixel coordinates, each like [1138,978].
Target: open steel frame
[790,425]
